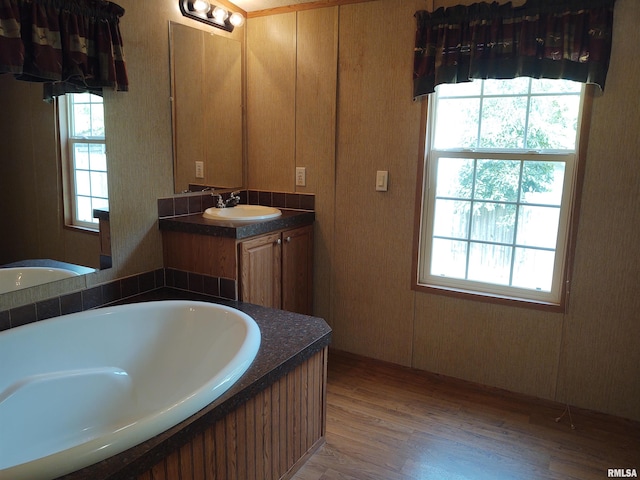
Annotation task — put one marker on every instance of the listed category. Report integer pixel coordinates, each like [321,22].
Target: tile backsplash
[191,203]
[102,295]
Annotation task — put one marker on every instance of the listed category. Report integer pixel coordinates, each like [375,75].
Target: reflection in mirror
[206,73]
[31,185]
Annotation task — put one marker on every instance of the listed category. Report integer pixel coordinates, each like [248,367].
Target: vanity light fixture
[213,15]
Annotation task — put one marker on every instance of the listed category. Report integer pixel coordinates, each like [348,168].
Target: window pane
[87,115]
[543,182]
[448,258]
[538,226]
[100,203]
[99,184]
[503,122]
[451,218]
[497,180]
[81,97]
[81,125]
[97,120]
[489,263]
[516,86]
[459,89]
[84,212]
[493,222]
[544,85]
[533,269]
[98,158]
[457,123]
[553,122]
[454,178]
[81,155]
[83,183]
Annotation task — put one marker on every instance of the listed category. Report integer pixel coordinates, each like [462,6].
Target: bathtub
[15,278]
[80,388]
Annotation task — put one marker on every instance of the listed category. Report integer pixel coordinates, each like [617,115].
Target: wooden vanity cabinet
[276,270]
[273,269]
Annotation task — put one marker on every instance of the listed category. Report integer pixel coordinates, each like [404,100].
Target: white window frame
[67,144]
[573,159]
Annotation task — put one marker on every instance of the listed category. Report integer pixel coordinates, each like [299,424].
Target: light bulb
[236,19]
[201,6]
[220,14]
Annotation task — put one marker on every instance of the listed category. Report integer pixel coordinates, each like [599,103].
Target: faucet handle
[233,200]
[220,202]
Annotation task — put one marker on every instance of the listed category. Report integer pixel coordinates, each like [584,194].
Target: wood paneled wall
[291,118]
[378,129]
[271,115]
[584,357]
[316,91]
[266,438]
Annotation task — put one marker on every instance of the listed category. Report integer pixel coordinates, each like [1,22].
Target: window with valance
[68,45]
[504,155]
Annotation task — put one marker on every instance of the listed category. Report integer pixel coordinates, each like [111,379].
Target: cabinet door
[297,270]
[260,271]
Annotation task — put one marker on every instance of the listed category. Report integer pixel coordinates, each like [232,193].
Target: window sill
[491,298]
[87,230]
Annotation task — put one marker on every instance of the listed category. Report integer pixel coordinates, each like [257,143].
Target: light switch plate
[382,180]
[199,169]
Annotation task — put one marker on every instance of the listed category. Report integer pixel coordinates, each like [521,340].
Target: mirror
[31,185]
[206,90]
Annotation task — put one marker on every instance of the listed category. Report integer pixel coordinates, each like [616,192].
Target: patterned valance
[70,45]
[569,39]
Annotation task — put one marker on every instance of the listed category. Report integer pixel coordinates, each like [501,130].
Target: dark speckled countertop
[239,230]
[288,339]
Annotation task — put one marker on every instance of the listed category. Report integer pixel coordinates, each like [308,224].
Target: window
[84,156]
[498,188]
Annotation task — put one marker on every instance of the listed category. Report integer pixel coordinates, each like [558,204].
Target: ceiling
[255,5]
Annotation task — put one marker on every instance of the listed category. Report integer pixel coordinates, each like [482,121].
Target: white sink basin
[242,213]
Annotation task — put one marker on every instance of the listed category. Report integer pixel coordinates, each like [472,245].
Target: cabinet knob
[278,242]
[288,239]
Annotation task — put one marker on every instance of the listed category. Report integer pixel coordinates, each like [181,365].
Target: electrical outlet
[199,169]
[301,176]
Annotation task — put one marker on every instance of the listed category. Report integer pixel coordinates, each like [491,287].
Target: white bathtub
[15,278]
[80,388]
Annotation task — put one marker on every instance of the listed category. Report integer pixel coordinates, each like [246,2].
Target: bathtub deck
[290,343]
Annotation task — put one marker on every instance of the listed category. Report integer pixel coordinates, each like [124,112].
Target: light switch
[382,180]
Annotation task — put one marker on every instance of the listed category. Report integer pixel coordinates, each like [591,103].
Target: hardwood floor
[386,422]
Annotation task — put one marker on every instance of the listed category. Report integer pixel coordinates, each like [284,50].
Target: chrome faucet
[232,201]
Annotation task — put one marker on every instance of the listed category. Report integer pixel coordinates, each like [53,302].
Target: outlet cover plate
[301,176]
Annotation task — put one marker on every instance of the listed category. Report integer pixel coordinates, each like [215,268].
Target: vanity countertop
[288,339]
[239,230]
